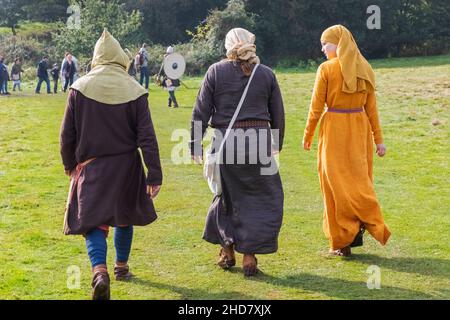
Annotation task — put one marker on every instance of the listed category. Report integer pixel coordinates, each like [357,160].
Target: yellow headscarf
[356,71]
[240,44]
[108,81]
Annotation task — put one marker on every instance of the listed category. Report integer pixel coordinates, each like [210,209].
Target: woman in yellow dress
[349,126]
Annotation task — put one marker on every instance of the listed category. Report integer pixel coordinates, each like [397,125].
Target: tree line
[286,30]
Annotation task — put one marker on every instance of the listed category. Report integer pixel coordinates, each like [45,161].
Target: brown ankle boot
[101,285]
[250,265]
[344,252]
[227,258]
[122,273]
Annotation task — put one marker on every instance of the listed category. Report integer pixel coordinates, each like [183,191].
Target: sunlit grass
[170,259]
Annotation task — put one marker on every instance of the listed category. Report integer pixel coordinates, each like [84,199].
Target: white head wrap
[169,50]
[240,44]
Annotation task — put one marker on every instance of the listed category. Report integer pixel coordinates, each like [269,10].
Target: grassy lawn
[170,259]
[30,29]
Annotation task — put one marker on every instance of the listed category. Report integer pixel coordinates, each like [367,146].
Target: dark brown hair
[246,67]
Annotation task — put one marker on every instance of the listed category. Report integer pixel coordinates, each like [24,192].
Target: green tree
[45,10]
[96,15]
[209,39]
[166,21]
[292,29]
[11,12]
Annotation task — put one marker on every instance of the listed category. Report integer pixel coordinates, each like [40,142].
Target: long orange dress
[345,158]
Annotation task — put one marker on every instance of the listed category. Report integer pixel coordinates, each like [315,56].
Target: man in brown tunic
[106,120]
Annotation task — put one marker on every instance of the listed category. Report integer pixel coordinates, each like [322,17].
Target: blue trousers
[4,86]
[16,85]
[145,76]
[47,81]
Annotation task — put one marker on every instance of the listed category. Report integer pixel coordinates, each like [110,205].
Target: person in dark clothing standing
[170,84]
[55,76]
[107,119]
[143,64]
[4,77]
[68,71]
[247,215]
[42,73]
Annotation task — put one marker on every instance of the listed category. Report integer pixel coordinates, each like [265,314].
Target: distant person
[75,61]
[69,70]
[55,76]
[170,84]
[132,67]
[132,70]
[42,74]
[63,81]
[4,77]
[349,127]
[107,119]
[143,65]
[16,74]
[137,62]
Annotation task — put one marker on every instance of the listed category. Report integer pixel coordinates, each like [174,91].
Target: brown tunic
[110,190]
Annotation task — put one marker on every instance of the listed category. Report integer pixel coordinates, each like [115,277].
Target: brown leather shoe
[227,258]
[344,252]
[250,265]
[101,286]
[122,273]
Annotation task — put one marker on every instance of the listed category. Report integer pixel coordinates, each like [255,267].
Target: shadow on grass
[424,266]
[341,289]
[192,293]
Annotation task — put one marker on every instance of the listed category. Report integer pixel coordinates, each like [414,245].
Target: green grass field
[170,259]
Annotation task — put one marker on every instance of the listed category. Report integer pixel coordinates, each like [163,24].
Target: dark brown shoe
[250,265]
[101,286]
[122,273]
[227,258]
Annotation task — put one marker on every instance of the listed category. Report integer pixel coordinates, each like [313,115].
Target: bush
[32,42]
[29,50]
[97,15]
[207,45]
[208,40]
